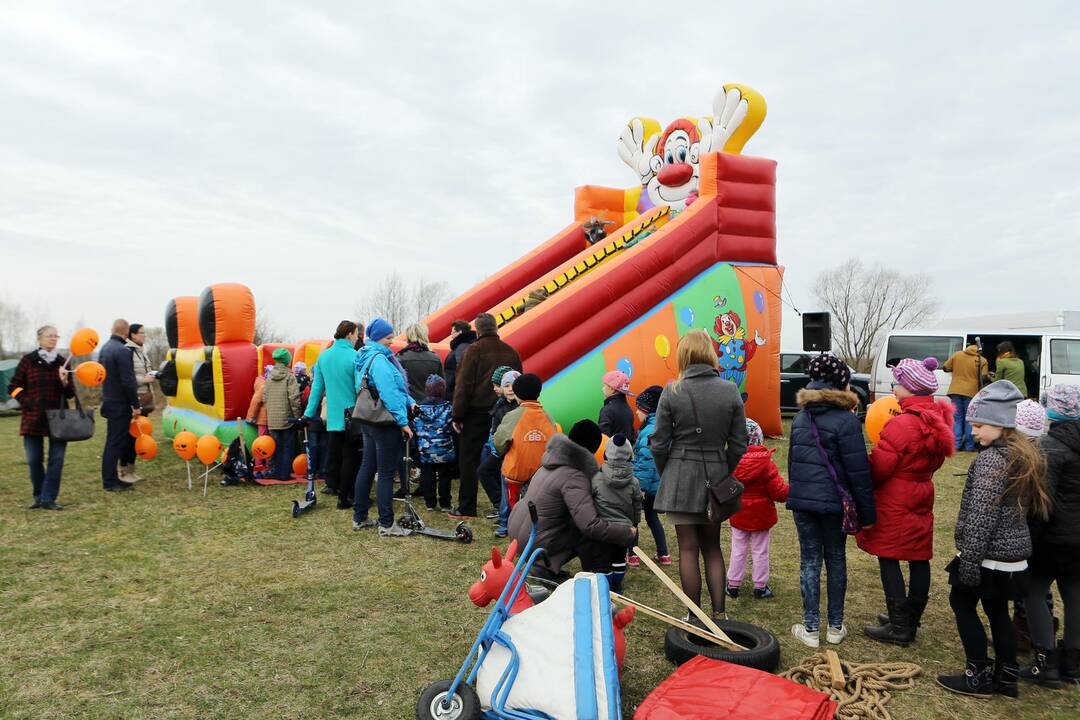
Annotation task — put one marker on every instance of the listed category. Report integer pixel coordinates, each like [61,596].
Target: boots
[1007,679]
[1070,665]
[1044,669]
[977,679]
[917,606]
[899,629]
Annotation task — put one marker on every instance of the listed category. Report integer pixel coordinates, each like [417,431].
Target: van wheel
[762,653]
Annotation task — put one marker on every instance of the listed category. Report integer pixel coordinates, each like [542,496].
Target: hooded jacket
[1062,448]
[616,492]
[472,385]
[434,437]
[811,487]
[419,363]
[644,465]
[912,447]
[967,367]
[376,360]
[762,488]
[256,408]
[334,378]
[281,397]
[561,490]
[616,417]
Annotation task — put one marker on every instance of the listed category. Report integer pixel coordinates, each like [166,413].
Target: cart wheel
[464,534]
[464,705]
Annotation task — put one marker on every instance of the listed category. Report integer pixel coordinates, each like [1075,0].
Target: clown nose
[675,175]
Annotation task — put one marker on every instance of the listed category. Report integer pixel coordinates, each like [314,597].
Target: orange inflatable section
[227,314]
[182,322]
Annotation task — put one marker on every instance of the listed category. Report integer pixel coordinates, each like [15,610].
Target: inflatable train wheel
[465,705]
[762,653]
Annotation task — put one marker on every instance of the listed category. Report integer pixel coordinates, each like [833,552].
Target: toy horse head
[493,578]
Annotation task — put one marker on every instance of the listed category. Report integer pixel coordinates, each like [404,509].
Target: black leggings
[892,578]
[964,601]
[703,540]
[1041,622]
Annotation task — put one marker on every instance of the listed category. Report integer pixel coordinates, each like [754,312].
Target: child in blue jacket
[647,476]
[434,438]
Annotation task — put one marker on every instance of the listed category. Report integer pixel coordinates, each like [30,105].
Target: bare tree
[865,302]
[266,331]
[155,346]
[400,303]
[430,296]
[14,328]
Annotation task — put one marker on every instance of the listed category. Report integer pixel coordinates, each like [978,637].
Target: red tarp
[706,689]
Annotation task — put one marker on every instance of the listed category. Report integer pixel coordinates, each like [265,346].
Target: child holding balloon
[910,449]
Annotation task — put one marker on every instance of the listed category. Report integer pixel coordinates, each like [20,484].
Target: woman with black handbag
[699,438]
[42,382]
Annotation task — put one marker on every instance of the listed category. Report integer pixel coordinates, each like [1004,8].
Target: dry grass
[165,604]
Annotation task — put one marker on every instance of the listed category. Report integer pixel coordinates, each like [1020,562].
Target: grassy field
[164,604]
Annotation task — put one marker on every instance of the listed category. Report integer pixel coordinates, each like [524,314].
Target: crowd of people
[479,418]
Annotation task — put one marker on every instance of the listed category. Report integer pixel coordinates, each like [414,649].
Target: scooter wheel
[463,532]
[295,509]
[406,523]
[464,705]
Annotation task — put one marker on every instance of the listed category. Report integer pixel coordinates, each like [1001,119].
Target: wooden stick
[188,463]
[675,622]
[690,605]
[836,670]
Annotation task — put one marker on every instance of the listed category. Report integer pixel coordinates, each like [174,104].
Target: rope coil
[868,689]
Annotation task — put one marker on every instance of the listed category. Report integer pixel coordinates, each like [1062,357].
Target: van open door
[1061,361]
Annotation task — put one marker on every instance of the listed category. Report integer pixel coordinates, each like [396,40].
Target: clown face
[729,324]
[675,166]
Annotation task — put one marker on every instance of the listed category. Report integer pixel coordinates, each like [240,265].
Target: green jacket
[1011,368]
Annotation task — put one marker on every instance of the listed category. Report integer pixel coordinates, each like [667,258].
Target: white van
[1051,357]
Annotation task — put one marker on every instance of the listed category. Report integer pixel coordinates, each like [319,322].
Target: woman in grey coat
[687,449]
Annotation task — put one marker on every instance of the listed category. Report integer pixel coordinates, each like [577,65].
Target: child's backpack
[528,443]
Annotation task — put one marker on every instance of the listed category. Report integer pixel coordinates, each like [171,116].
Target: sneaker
[457,514]
[809,638]
[491,515]
[363,524]
[446,509]
[344,503]
[118,487]
[35,506]
[51,506]
[431,508]
[394,530]
[763,593]
[836,635]
[500,532]
[125,480]
[732,591]
[632,561]
[662,559]
[327,490]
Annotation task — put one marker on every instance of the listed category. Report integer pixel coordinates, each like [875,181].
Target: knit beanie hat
[1030,418]
[917,377]
[618,381]
[587,434]
[281,355]
[619,448]
[1063,402]
[996,405]
[300,368]
[649,399]
[508,379]
[528,387]
[379,329]
[497,376]
[831,370]
[754,434]
[435,386]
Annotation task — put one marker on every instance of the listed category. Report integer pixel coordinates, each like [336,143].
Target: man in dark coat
[119,403]
[461,337]
[473,398]
[568,524]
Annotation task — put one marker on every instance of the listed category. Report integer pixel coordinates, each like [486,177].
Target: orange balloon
[184,444]
[207,449]
[90,374]
[84,341]
[600,450]
[263,447]
[140,426]
[880,412]
[146,447]
[299,465]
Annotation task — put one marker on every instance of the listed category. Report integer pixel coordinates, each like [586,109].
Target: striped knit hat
[1030,418]
[1063,402]
[508,378]
[753,433]
[497,376]
[917,377]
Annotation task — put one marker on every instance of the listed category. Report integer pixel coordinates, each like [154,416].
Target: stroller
[566,642]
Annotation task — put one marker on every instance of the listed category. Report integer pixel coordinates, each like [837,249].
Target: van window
[794,363]
[922,346]
[1065,357]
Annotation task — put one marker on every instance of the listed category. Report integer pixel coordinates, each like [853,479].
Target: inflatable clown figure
[732,347]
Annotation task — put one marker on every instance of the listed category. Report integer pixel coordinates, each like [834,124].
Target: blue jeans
[46,482]
[317,441]
[283,453]
[821,537]
[504,507]
[382,453]
[961,427]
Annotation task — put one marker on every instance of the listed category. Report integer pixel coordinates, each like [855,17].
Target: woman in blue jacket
[827,449]
[383,444]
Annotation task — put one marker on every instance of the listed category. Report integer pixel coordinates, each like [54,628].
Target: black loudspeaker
[816,332]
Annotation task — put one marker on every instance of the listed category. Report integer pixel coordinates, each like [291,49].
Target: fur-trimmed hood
[843,399]
[561,450]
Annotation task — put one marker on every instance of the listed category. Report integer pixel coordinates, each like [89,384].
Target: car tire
[763,648]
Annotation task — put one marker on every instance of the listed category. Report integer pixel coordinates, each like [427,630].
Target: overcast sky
[150,149]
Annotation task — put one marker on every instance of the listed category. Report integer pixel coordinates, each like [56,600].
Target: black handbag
[725,496]
[369,406]
[71,425]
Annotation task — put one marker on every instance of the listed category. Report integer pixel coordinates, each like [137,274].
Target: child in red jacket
[751,527]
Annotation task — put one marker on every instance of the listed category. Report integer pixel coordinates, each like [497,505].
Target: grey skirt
[684,518]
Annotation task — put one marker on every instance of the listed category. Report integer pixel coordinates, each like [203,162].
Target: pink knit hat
[1030,418]
[618,381]
[917,377]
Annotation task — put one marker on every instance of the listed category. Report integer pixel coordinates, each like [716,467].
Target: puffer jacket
[419,363]
[377,362]
[281,398]
[434,436]
[1062,448]
[561,490]
[762,488]
[256,408]
[616,417]
[811,487]
[616,492]
[989,526]
[912,447]
[644,465]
